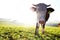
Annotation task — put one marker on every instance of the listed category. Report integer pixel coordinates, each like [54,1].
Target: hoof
[42,31]
[36,33]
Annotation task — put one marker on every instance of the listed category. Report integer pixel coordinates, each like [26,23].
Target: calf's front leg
[37,29]
[43,27]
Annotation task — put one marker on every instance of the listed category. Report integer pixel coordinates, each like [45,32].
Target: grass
[12,32]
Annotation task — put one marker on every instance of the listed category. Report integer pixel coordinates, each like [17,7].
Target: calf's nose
[41,22]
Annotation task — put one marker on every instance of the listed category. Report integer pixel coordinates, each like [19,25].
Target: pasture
[12,32]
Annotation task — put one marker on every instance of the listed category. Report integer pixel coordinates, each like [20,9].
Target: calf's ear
[34,4]
[49,10]
[33,9]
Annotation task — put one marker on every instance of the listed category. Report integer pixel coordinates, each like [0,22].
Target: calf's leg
[37,29]
[43,27]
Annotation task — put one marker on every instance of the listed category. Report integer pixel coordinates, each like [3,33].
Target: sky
[19,10]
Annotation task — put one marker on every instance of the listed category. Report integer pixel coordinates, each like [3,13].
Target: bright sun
[17,10]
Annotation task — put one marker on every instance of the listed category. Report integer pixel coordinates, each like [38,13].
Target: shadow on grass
[49,36]
[52,36]
[55,35]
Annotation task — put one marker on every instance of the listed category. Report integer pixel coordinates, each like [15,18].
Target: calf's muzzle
[41,22]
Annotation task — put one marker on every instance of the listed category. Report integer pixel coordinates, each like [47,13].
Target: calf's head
[42,16]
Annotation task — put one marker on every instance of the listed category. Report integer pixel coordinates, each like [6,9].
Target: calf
[43,14]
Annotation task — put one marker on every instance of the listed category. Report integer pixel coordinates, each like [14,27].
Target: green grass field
[12,32]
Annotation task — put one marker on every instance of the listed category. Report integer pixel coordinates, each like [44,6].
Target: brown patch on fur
[48,14]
